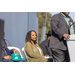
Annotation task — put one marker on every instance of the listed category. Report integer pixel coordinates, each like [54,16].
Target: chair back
[16,49]
[25,54]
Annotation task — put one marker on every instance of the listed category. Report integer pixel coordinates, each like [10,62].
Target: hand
[8,57]
[44,56]
[23,57]
[67,36]
[14,50]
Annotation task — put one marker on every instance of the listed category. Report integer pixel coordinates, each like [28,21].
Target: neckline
[65,15]
[34,45]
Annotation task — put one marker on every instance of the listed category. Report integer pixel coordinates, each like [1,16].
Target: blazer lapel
[61,16]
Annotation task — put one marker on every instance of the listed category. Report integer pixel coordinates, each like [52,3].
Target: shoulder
[56,16]
[28,43]
[44,42]
[6,40]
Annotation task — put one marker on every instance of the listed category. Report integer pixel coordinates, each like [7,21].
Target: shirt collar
[65,16]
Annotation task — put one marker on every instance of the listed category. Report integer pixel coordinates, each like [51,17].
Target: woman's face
[33,36]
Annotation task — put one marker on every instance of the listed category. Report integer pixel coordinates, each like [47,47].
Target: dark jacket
[45,47]
[9,52]
[59,28]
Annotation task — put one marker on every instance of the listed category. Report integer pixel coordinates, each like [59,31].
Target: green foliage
[41,24]
[74,23]
[41,21]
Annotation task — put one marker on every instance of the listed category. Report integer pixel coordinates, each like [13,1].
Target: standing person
[45,45]
[60,30]
[32,49]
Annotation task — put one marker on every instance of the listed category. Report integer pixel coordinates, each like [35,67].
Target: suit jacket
[7,42]
[9,52]
[59,28]
[45,47]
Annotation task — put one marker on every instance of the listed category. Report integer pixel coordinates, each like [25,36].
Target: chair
[16,49]
[25,54]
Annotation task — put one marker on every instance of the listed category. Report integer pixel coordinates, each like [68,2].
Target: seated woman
[33,51]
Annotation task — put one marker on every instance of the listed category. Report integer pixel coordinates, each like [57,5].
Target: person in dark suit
[6,53]
[60,30]
[45,45]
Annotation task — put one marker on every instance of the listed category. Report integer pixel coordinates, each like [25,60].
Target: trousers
[60,55]
[7,60]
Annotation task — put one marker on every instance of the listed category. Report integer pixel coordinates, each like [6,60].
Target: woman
[33,51]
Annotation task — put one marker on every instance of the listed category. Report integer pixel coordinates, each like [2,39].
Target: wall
[33,22]
[17,24]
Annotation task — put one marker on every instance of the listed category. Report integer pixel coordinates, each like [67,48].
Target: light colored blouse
[39,50]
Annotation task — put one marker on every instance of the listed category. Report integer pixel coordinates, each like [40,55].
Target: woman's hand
[43,56]
[8,57]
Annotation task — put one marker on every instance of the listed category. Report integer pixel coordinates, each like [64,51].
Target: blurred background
[17,24]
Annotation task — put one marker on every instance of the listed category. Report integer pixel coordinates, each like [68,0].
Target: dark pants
[60,55]
[6,60]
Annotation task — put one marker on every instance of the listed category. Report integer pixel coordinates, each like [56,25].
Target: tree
[41,23]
